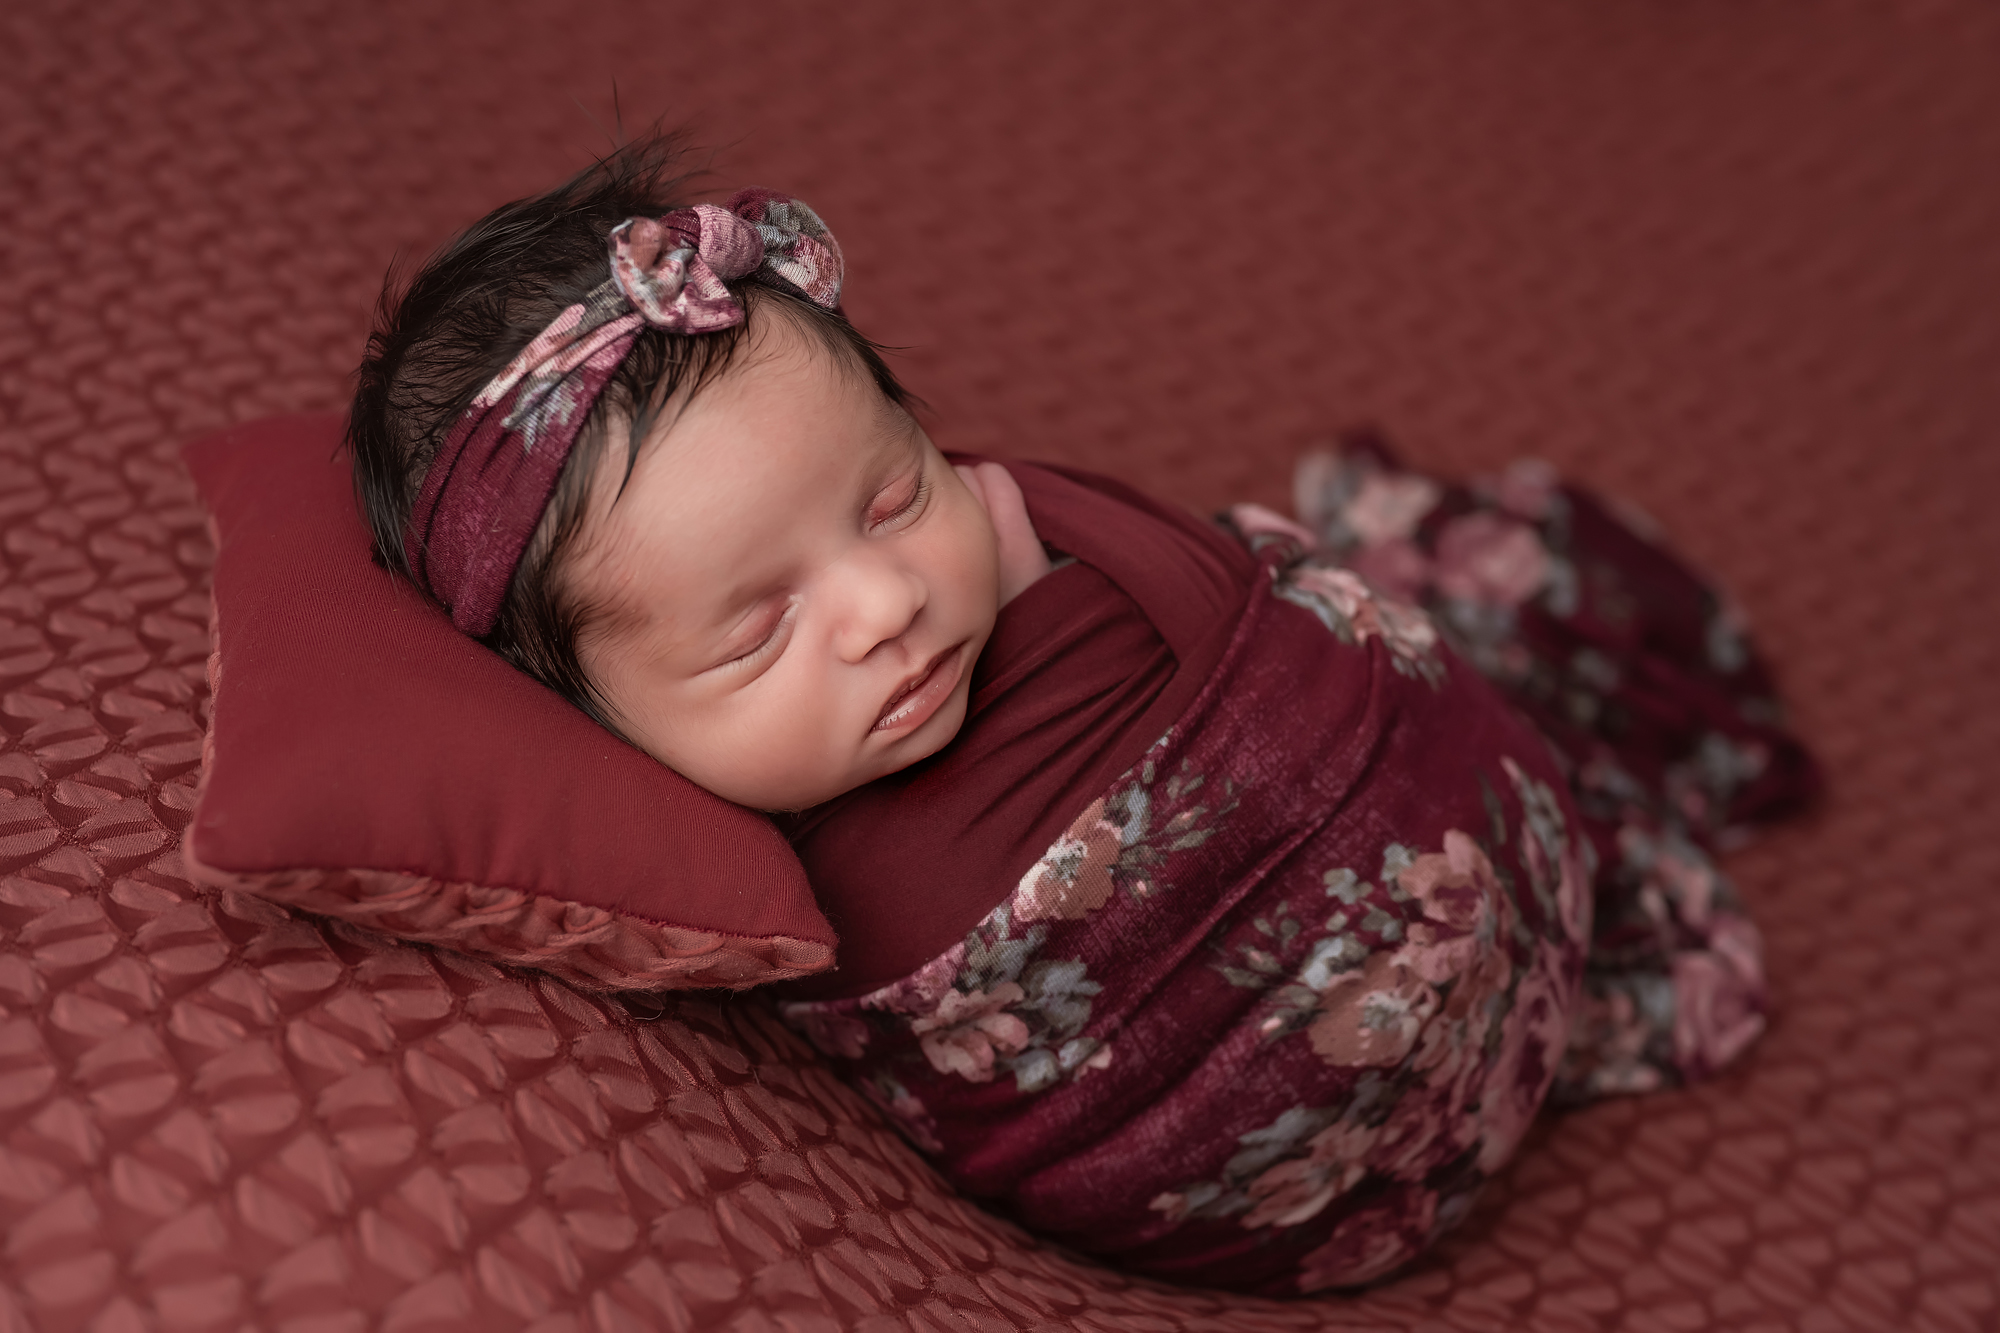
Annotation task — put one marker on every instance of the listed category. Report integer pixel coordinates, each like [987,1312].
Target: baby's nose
[882,600]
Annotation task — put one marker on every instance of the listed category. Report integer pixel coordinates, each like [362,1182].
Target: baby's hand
[1022,559]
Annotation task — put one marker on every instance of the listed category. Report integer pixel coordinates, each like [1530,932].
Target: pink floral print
[1388,506]
[1487,558]
[1718,997]
[1372,1016]
[969,1028]
[1074,877]
[1356,613]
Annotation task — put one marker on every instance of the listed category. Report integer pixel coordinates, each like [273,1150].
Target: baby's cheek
[808,739]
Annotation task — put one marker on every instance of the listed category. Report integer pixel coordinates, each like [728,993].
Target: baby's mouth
[913,704]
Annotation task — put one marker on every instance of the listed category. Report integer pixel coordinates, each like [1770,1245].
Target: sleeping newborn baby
[1222,899]
[791,590]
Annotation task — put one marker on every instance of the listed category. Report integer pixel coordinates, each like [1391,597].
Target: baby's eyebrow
[692,626]
[680,637]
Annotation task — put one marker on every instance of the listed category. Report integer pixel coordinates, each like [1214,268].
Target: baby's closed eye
[761,635]
[901,503]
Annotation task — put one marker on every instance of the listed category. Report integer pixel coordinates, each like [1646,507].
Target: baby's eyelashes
[765,638]
[901,504]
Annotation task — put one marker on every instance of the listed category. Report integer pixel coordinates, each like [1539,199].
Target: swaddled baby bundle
[1249,920]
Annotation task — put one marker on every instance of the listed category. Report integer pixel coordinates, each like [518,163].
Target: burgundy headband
[491,479]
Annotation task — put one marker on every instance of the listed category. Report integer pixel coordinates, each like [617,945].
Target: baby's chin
[872,764]
[942,728]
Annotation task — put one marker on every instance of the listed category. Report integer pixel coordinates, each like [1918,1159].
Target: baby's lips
[923,682]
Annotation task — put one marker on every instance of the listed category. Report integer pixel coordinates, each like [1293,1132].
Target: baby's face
[795,581]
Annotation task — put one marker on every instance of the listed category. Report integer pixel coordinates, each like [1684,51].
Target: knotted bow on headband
[485,491]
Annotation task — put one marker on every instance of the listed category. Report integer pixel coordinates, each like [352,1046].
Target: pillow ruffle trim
[592,948]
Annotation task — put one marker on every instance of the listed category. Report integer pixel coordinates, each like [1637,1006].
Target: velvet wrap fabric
[1277,998]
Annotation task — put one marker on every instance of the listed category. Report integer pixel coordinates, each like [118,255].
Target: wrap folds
[1281,996]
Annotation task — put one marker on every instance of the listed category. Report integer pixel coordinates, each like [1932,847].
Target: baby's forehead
[781,351]
[739,455]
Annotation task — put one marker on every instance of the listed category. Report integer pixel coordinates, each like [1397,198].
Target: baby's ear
[970,476]
[1022,559]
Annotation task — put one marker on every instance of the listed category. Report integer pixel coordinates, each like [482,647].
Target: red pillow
[368,762]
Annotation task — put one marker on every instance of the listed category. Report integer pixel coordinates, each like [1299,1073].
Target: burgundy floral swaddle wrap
[1276,1004]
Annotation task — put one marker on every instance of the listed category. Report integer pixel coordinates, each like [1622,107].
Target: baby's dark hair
[473,306]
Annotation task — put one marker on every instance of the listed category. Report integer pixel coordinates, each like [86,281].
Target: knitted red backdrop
[1735,263]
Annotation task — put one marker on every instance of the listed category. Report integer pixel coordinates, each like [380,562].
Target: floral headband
[485,491]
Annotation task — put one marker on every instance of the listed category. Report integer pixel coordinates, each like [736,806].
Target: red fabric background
[1735,263]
